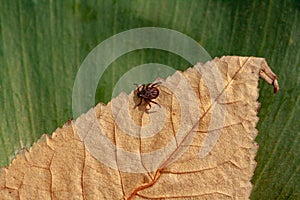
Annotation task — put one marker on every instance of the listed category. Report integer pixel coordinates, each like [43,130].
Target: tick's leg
[139,87]
[147,86]
[144,86]
[155,84]
[140,102]
[147,101]
[154,103]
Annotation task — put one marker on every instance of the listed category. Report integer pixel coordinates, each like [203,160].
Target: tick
[148,93]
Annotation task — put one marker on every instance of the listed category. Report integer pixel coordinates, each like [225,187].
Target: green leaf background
[43,43]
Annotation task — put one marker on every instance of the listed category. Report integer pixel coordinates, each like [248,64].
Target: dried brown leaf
[199,145]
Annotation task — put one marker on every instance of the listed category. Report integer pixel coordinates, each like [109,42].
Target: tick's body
[148,93]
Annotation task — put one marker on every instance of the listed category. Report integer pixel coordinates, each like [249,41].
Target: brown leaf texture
[198,145]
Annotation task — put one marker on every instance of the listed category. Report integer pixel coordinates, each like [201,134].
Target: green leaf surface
[43,43]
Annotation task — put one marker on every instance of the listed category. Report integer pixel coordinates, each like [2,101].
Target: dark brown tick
[148,93]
